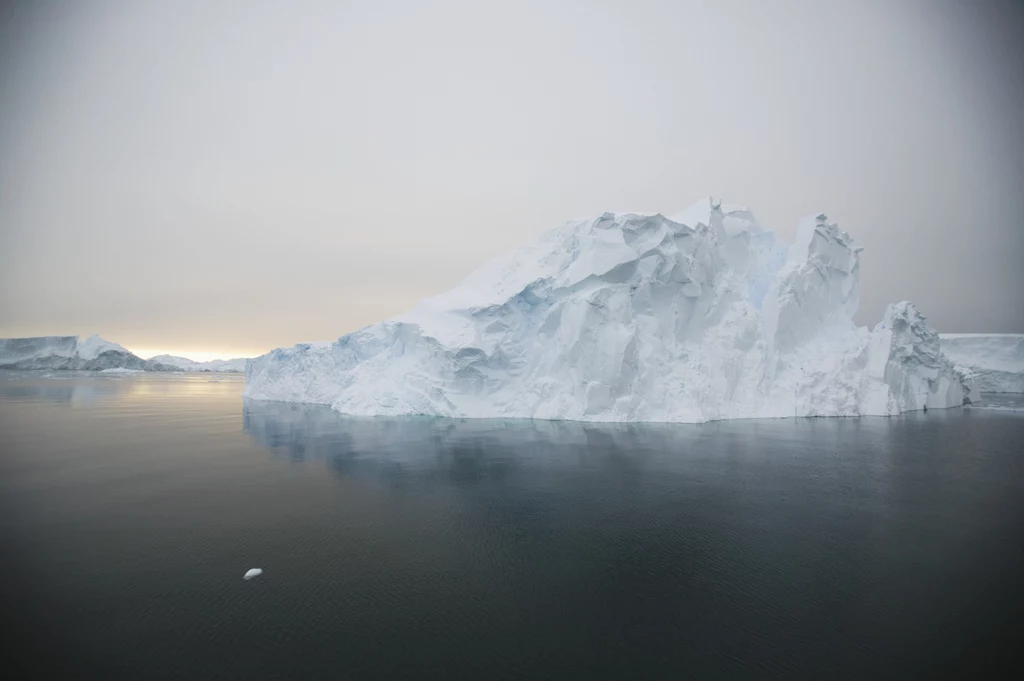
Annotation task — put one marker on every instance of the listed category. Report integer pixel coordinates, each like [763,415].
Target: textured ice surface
[629,317]
[92,346]
[995,360]
[71,353]
[185,364]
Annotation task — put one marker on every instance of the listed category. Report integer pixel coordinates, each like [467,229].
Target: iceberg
[995,360]
[72,353]
[235,365]
[696,317]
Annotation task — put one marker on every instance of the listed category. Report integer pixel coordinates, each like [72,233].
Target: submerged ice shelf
[628,317]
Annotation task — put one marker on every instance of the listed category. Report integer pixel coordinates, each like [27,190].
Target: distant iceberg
[71,353]
[93,353]
[236,365]
[626,317]
[995,360]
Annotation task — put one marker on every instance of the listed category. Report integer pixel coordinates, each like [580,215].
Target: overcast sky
[234,176]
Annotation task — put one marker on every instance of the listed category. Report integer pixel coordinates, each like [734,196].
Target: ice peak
[93,346]
[703,211]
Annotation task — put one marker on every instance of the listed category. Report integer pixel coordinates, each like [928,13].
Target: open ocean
[423,548]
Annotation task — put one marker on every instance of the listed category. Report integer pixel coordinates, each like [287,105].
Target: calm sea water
[425,548]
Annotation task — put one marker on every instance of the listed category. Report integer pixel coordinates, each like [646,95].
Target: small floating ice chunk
[255,572]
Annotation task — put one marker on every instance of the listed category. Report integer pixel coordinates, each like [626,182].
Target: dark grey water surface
[428,548]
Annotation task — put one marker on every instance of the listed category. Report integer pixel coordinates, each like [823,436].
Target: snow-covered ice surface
[236,365]
[995,359]
[629,317]
[92,346]
[254,572]
[71,353]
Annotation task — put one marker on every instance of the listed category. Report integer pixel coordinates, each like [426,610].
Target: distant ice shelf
[996,360]
[636,317]
[75,353]
[93,353]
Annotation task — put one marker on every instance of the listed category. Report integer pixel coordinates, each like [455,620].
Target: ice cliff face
[996,361]
[71,353]
[236,365]
[631,317]
[18,349]
[917,374]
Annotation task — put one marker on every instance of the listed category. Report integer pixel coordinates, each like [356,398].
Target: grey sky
[240,175]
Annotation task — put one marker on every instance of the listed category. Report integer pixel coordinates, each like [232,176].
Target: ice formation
[93,353]
[996,361]
[72,353]
[236,365]
[628,317]
[254,572]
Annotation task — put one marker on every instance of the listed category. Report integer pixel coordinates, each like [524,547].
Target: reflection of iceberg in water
[424,446]
[76,394]
[478,449]
[317,430]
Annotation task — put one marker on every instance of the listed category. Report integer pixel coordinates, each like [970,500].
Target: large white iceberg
[629,317]
[90,353]
[996,360]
